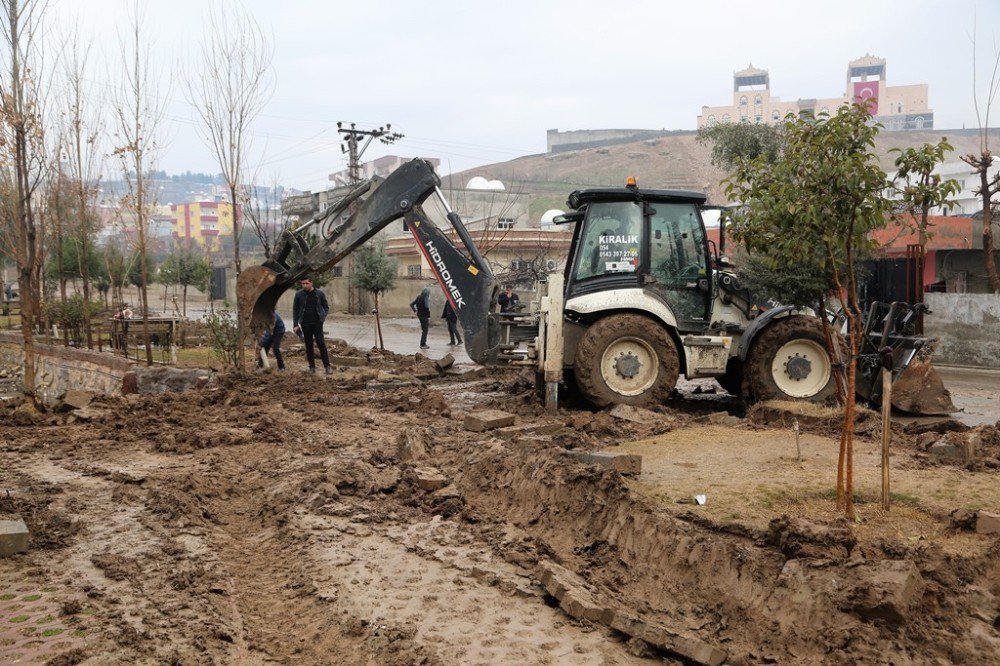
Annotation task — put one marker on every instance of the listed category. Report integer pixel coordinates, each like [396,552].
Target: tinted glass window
[611,240]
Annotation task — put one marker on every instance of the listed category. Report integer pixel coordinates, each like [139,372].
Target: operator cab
[649,239]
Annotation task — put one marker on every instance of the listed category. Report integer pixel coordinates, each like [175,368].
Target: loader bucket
[258,290]
[920,390]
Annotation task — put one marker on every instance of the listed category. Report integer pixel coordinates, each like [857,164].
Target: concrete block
[77,399]
[489,419]
[943,449]
[628,464]
[987,522]
[13,535]
[445,362]
[659,636]
[348,361]
[430,479]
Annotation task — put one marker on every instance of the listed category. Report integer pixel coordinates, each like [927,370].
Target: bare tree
[23,154]
[229,89]
[982,162]
[263,211]
[85,128]
[137,114]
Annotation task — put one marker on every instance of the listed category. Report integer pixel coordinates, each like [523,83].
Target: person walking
[271,340]
[451,317]
[422,306]
[309,310]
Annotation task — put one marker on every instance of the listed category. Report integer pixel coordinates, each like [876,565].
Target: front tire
[789,361]
[626,359]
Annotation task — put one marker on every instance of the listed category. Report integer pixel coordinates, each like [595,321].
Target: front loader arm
[468,283]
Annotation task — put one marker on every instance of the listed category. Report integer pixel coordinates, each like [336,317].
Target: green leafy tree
[375,272]
[225,336]
[816,206]
[920,189]
[186,268]
[735,142]
[70,315]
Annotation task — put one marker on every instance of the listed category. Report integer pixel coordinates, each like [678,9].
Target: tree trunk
[988,248]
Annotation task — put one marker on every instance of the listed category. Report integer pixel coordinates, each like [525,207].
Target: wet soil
[288,518]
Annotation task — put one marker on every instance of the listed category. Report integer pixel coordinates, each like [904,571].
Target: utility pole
[349,146]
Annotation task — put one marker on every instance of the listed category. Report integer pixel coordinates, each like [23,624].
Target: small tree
[225,336]
[375,272]
[817,205]
[920,189]
[733,143]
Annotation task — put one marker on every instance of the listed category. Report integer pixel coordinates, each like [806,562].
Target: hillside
[672,162]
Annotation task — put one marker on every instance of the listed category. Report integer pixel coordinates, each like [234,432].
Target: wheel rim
[801,368]
[629,366]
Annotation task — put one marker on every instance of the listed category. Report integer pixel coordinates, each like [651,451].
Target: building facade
[203,223]
[895,107]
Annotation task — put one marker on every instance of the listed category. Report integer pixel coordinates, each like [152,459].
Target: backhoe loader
[643,298]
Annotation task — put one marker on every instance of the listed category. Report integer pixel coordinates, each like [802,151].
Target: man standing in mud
[309,310]
[421,305]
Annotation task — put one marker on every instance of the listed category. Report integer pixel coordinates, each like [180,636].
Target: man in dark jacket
[508,301]
[422,306]
[309,310]
[272,340]
[449,316]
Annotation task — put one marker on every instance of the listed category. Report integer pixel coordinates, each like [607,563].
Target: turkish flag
[867,92]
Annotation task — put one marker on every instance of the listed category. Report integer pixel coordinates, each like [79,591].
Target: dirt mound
[812,418]
[41,507]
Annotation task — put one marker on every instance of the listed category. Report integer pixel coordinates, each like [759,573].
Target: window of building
[757,119]
[919,122]
[711,121]
[504,223]
[413,270]
[743,118]
[725,118]
[338,271]
[743,101]
[758,100]
[550,265]
[775,116]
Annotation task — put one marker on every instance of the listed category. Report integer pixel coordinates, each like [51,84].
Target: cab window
[611,240]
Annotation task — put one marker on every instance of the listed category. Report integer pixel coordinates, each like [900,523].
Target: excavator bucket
[258,290]
[917,388]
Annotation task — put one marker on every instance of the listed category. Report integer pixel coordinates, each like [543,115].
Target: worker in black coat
[421,305]
[451,317]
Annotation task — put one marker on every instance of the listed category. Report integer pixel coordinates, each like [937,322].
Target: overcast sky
[480,82]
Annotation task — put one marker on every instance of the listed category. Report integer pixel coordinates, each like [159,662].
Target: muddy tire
[789,361]
[626,359]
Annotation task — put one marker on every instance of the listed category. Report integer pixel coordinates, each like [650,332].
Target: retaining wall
[967,327]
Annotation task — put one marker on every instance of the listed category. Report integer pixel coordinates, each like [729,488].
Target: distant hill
[671,162]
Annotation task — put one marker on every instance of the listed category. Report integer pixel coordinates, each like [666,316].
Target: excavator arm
[466,279]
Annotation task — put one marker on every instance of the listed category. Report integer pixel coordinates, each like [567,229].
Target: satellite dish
[550,215]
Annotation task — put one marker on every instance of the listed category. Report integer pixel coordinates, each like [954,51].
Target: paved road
[401,335]
[975,391]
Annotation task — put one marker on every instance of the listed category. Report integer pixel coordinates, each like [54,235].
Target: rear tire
[789,361]
[626,359]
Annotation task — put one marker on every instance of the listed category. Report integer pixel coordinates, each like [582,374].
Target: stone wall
[967,327]
[59,369]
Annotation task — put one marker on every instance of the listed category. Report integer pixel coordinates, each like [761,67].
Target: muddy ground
[292,518]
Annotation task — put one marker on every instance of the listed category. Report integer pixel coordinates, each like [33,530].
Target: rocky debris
[515,432]
[467,372]
[445,362]
[636,414]
[488,419]
[578,601]
[925,439]
[938,425]
[963,519]
[76,399]
[348,361]
[580,420]
[13,535]
[410,446]
[799,538]
[885,590]
[430,478]
[944,449]
[627,464]
[723,419]
[987,522]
